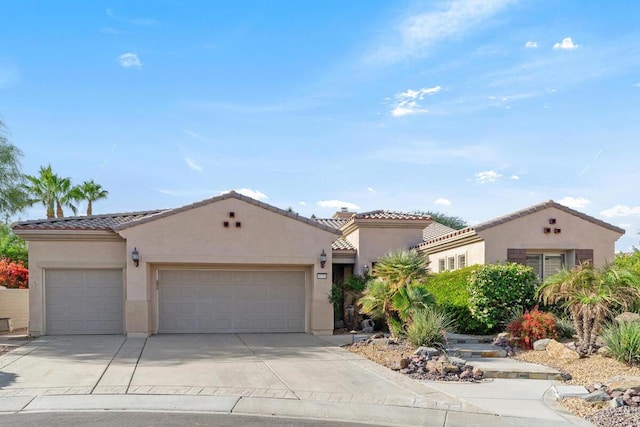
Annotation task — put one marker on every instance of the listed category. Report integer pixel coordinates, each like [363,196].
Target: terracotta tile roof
[435,229]
[342,245]
[331,222]
[382,214]
[105,222]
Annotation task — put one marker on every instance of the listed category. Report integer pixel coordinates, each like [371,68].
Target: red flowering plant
[533,325]
[13,274]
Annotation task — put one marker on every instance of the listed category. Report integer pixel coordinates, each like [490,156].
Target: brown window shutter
[584,255]
[517,255]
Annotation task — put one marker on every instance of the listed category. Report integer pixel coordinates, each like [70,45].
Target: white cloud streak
[487,176]
[417,34]
[531,45]
[442,201]
[408,102]
[574,202]
[566,44]
[192,164]
[621,211]
[130,60]
[337,204]
[514,177]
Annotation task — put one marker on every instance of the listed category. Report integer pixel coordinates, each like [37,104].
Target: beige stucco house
[233,264]
[547,237]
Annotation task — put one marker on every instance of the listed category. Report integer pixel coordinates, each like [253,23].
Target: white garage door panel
[201,301]
[83,301]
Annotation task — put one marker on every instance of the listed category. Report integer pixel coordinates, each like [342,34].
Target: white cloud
[566,44]
[621,210]
[418,33]
[302,203]
[130,60]
[193,165]
[337,204]
[531,45]
[371,190]
[408,102]
[487,176]
[254,194]
[574,202]
[442,201]
[514,177]
[636,84]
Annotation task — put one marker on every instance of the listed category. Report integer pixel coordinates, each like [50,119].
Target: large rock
[541,345]
[559,351]
[623,383]
[627,317]
[597,396]
[457,361]
[427,352]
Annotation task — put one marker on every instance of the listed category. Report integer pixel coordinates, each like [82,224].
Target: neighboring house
[547,237]
[233,264]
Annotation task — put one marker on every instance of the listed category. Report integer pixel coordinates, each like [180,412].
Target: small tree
[590,294]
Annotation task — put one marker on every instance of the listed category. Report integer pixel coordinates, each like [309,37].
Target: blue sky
[466,107]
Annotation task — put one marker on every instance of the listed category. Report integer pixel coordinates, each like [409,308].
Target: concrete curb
[266,407]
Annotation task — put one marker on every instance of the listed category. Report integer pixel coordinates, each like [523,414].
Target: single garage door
[83,301]
[207,301]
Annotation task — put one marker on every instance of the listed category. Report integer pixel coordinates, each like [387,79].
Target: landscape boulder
[541,345]
[627,317]
[623,383]
[558,350]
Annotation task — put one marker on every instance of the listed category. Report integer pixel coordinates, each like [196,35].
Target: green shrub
[565,327]
[533,325]
[495,290]
[428,328]
[452,297]
[623,341]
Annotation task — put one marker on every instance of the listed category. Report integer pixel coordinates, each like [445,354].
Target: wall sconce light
[135,256]
[323,258]
[547,230]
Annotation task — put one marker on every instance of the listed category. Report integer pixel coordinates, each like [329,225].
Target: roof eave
[31,235]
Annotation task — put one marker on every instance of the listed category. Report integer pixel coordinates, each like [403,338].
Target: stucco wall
[527,233]
[14,303]
[374,243]
[474,252]
[65,254]
[198,237]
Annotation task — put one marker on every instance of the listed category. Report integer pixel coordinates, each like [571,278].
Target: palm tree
[41,189]
[590,295]
[51,190]
[90,191]
[395,290]
[65,195]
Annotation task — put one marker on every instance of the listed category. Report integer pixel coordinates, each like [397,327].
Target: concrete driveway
[280,366]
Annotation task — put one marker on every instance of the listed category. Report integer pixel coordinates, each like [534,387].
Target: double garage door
[84,301]
[214,301]
[189,301]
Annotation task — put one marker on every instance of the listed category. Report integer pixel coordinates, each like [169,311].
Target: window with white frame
[462,260]
[441,265]
[451,263]
[546,264]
